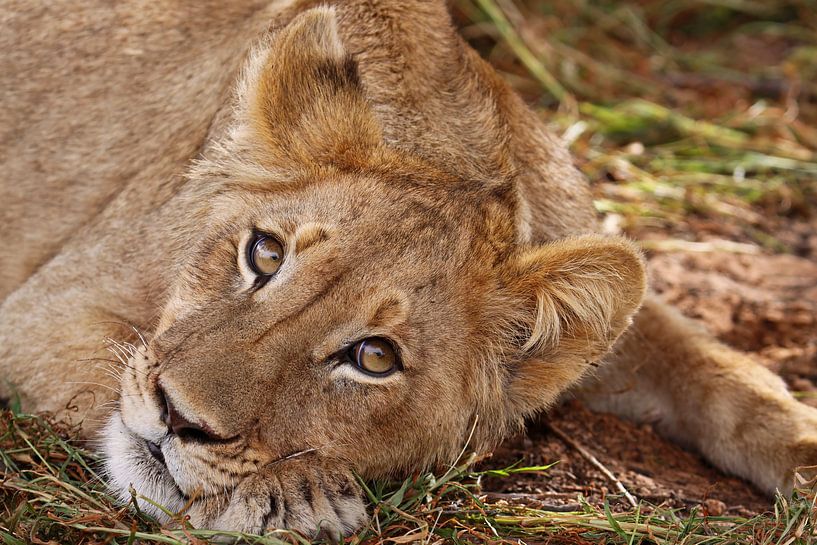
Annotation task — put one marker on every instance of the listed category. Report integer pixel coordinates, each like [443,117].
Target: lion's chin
[131,470]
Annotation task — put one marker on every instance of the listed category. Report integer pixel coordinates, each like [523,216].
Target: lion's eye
[375,356]
[265,255]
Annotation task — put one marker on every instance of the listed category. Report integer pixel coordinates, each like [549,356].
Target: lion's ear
[573,299]
[308,101]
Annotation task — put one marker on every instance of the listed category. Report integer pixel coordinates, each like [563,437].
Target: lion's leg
[696,390]
[55,331]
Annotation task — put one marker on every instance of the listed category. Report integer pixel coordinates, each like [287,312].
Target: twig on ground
[536,499]
[679,245]
[593,460]
[521,50]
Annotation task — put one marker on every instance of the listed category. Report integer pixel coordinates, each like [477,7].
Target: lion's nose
[180,425]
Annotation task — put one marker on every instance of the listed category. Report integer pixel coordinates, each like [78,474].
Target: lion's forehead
[371,219]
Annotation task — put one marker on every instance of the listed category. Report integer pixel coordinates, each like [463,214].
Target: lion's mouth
[131,463]
[155,450]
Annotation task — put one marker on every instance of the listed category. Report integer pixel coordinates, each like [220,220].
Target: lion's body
[104,110]
[97,138]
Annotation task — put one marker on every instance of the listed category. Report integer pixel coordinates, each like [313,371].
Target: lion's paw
[312,498]
[805,464]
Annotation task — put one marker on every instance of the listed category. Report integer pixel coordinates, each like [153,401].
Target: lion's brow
[389,312]
[310,235]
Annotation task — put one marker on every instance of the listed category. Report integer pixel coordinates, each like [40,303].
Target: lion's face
[261,367]
[357,303]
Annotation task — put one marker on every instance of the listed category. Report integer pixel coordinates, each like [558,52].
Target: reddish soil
[762,304]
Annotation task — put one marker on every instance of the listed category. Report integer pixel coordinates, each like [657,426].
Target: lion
[324,239]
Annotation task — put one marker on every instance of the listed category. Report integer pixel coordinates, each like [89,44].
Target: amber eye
[265,255]
[375,356]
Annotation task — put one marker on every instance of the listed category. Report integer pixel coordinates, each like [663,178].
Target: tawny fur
[417,199]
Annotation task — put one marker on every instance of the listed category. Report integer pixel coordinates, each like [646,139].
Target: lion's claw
[303,495]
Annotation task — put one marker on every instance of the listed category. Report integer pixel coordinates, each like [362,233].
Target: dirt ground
[763,304]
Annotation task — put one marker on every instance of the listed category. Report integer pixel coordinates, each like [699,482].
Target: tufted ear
[574,298]
[308,102]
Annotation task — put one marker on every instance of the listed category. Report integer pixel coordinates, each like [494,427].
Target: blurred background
[675,110]
[695,122]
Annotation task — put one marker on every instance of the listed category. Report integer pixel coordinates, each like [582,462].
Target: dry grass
[677,112]
[672,109]
[51,493]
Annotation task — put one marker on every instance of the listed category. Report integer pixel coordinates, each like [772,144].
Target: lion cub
[343,244]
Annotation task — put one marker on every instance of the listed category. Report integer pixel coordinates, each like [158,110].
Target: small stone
[714,508]
[800,384]
[634,148]
[613,224]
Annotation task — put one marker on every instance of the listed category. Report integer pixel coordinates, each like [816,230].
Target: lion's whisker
[88,383]
[124,347]
[141,338]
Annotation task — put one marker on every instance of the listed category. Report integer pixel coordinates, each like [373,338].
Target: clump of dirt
[650,467]
[763,304]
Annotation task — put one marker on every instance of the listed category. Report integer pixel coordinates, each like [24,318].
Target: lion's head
[343,297]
